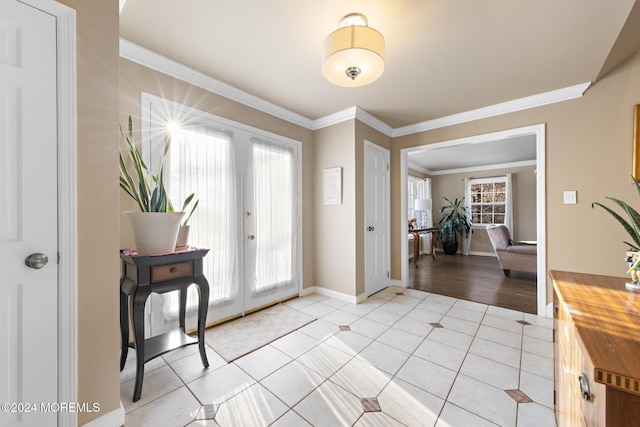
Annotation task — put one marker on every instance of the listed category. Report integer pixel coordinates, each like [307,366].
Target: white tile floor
[418,359]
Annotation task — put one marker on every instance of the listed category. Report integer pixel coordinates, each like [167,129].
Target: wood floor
[474,278]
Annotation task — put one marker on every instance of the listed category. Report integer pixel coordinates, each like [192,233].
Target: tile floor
[402,358]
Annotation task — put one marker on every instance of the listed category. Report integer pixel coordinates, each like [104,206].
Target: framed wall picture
[332,186]
[636,142]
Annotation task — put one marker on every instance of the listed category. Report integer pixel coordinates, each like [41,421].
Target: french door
[246,182]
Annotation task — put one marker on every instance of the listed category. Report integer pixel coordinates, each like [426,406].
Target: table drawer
[171,271]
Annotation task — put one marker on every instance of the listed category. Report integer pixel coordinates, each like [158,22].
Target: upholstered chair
[512,255]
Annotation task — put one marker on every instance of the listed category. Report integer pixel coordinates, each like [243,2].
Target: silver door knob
[36,261]
[251,237]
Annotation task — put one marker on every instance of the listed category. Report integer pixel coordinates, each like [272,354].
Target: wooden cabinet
[597,351]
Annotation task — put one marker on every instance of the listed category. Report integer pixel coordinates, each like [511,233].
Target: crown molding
[162,64]
[419,168]
[510,165]
[525,103]
[334,119]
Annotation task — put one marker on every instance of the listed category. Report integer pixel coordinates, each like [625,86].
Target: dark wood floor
[474,278]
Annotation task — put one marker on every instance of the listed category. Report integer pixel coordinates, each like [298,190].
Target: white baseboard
[399,283]
[549,312]
[112,419]
[333,294]
[489,254]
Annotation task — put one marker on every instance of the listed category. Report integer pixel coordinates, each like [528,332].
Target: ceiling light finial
[354,53]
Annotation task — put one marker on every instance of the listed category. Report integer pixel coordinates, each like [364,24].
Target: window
[417,188]
[489,200]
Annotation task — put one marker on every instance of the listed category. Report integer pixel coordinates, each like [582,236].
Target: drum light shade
[353,55]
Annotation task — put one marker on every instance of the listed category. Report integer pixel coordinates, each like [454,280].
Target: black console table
[142,275]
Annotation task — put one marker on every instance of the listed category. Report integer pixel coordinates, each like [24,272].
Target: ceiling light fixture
[354,53]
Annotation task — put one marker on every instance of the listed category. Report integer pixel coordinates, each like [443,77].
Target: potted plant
[183,232]
[632,227]
[155,227]
[455,224]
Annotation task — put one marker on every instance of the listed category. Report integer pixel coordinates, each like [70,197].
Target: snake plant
[147,190]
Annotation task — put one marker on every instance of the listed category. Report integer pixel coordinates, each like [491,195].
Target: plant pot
[450,248]
[183,237]
[155,233]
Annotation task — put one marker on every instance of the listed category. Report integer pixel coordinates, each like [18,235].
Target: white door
[247,216]
[377,231]
[270,224]
[28,214]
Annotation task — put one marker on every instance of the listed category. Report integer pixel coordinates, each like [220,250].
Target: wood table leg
[416,248]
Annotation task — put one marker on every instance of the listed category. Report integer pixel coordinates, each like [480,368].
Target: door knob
[370,228]
[251,237]
[36,261]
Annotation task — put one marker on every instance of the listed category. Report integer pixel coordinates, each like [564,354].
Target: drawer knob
[584,387]
[173,270]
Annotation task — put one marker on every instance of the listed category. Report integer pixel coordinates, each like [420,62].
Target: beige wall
[451,186]
[98,207]
[588,149]
[135,79]
[335,245]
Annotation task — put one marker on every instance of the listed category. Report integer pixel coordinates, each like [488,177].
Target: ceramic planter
[183,237]
[155,233]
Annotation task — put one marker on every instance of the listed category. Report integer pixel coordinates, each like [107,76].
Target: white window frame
[506,203]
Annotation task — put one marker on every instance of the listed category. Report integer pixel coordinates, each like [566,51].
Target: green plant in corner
[454,224]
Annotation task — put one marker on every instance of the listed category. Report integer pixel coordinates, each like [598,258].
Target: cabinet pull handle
[173,270]
[584,387]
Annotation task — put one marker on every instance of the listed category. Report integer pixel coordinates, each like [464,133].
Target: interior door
[377,231]
[28,217]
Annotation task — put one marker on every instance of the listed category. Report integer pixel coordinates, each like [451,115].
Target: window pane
[499,219]
[475,218]
[487,219]
[500,208]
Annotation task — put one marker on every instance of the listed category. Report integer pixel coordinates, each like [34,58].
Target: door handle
[36,261]
[251,237]
[370,228]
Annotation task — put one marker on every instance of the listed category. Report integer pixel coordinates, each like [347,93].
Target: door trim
[539,130]
[67,208]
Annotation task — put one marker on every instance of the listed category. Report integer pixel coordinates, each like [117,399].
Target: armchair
[512,255]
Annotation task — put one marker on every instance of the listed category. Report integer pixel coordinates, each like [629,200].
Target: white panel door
[377,227]
[28,214]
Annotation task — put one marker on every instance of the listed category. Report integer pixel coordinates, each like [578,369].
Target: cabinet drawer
[171,271]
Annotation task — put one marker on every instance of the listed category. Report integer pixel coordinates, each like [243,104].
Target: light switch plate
[570,197]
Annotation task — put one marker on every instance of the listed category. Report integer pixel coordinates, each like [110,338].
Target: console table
[596,350]
[416,243]
[142,275]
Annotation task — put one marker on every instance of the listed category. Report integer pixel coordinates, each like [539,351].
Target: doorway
[538,131]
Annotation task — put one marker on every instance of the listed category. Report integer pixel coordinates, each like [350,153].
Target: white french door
[270,250]
[247,183]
